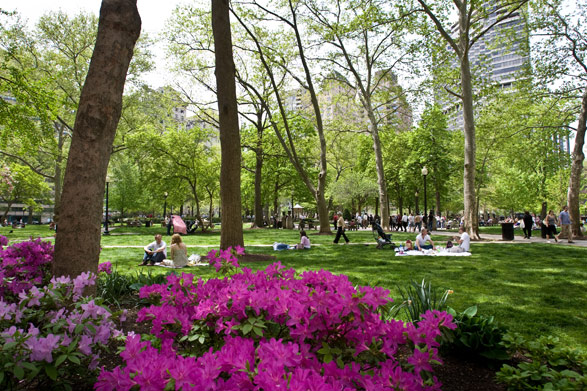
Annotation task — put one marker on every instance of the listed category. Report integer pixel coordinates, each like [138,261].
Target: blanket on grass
[434,253]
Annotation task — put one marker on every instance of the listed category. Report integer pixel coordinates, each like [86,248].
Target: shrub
[273,329]
[546,366]
[476,334]
[23,265]
[53,336]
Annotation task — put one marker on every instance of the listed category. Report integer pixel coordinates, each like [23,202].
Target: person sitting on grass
[304,243]
[155,252]
[422,239]
[179,253]
[464,242]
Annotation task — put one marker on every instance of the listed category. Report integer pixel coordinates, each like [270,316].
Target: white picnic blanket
[433,253]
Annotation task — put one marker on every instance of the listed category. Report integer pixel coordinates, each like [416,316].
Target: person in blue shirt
[565,221]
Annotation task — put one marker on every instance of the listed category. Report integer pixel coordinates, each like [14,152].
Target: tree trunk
[576,170]
[77,245]
[471,218]
[258,172]
[231,233]
[381,182]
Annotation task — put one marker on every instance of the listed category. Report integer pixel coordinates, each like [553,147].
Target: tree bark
[77,245]
[471,218]
[576,170]
[259,171]
[381,182]
[231,233]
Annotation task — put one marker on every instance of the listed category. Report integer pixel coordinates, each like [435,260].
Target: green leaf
[60,360]
[1,377]
[74,359]
[51,371]
[471,311]
[79,328]
[9,345]
[18,372]
[247,328]
[258,331]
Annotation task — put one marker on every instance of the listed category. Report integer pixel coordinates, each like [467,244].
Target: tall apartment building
[338,101]
[501,62]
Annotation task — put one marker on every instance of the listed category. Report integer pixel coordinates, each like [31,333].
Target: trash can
[507,231]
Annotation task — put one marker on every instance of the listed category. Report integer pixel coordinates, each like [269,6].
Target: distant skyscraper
[502,58]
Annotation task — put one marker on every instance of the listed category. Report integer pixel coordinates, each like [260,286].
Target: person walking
[550,224]
[528,223]
[565,221]
[341,227]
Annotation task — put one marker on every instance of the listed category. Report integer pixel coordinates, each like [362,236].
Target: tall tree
[368,46]
[561,47]
[277,61]
[472,26]
[230,143]
[77,245]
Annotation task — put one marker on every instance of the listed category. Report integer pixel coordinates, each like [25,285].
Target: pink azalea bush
[53,336]
[23,265]
[275,330]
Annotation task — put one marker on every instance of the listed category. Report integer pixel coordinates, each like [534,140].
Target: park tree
[19,183]
[367,45]
[278,61]
[561,47]
[77,244]
[230,192]
[472,25]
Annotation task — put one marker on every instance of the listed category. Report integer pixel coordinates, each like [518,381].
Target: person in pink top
[304,241]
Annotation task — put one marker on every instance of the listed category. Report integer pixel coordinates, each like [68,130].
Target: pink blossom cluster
[53,323]
[105,267]
[225,261]
[23,265]
[273,330]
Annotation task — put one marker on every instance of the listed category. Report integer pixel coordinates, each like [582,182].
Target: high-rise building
[498,57]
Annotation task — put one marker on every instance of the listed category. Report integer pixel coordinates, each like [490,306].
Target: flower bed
[272,330]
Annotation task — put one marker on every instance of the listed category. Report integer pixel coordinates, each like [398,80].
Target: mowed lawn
[532,288]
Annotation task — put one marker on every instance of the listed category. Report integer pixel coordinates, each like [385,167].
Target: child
[304,241]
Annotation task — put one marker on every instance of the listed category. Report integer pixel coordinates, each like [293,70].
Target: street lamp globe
[424,171]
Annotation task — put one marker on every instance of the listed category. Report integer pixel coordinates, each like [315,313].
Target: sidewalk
[491,238]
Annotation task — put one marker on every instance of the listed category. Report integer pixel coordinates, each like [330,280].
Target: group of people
[156,252]
[424,242]
[411,223]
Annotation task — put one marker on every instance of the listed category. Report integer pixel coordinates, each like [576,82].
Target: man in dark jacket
[528,223]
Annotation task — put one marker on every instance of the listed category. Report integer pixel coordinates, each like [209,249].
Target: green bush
[546,365]
[116,286]
[476,334]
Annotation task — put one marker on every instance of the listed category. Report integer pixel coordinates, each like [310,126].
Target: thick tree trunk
[231,233]
[471,218]
[77,245]
[576,170]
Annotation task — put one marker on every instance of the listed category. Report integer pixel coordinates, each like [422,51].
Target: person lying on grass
[422,239]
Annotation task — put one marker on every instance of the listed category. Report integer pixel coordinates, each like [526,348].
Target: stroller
[381,237]
[192,226]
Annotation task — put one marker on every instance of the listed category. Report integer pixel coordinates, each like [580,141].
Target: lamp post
[424,174]
[106,232]
[165,205]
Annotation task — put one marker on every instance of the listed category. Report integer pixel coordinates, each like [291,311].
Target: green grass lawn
[532,288]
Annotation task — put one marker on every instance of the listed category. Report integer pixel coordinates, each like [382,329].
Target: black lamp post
[424,174]
[106,232]
[165,205]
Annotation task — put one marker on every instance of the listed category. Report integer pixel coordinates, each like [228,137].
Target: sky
[153,15]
